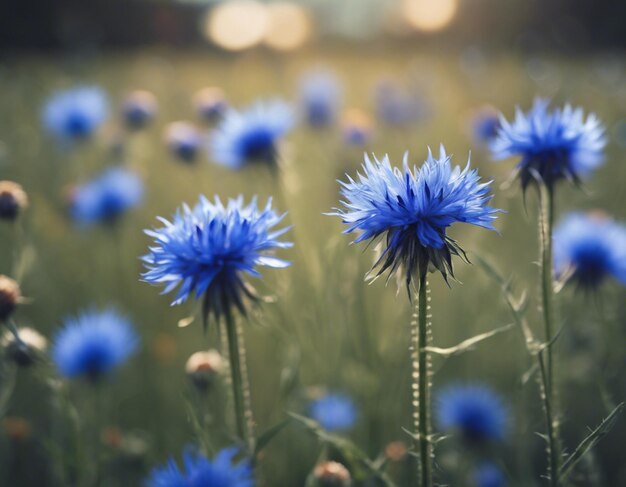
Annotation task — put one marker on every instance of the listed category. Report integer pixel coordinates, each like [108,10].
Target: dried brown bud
[9,297]
[25,350]
[16,428]
[204,367]
[13,200]
[331,474]
[396,451]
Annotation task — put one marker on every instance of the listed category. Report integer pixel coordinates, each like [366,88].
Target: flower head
[183,140]
[591,246]
[139,108]
[412,209]
[207,250]
[198,471]
[475,411]
[13,200]
[252,135]
[93,344]
[488,475]
[76,113]
[320,97]
[203,368]
[554,144]
[334,412]
[106,197]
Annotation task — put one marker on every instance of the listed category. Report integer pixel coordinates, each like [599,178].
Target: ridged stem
[546,223]
[420,337]
[243,413]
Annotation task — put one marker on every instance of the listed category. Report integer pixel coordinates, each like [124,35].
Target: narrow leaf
[468,344]
[268,435]
[588,443]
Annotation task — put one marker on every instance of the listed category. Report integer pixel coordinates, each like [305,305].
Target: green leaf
[468,344]
[360,465]
[592,440]
[268,435]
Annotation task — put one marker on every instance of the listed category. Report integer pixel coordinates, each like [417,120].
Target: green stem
[420,335]
[234,356]
[547,293]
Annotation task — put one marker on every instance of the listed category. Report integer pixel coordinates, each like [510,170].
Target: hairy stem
[420,336]
[237,377]
[547,285]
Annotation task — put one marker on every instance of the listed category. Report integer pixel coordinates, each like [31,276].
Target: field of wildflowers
[405,270]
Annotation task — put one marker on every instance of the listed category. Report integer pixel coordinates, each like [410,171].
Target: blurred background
[450,61]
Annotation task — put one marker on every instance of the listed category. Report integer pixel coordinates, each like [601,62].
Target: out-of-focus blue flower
[592,246]
[183,140]
[395,106]
[356,128]
[488,475]
[93,344]
[485,125]
[334,412]
[139,108]
[320,98]
[412,209]
[475,411]
[106,197]
[210,104]
[554,144]
[252,135]
[198,471]
[207,251]
[75,113]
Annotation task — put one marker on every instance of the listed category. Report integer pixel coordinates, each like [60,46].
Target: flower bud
[356,127]
[9,297]
[203,368]
[25,350]
[139,109]
[13,200]
[210,104]
[331,474]
[183,140]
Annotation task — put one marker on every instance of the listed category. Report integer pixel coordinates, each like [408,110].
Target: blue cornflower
[208,249]
[252,135]
[198,471]
[93,344]
[396,106]
[107,196]
[320,97]
[591,246]
[412,209]
[76,113]
[554,145]
[139,108]
[475,411]
[334,412]
[488,475]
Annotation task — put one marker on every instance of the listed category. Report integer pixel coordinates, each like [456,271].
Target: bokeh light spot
[237,25]
[289,26]
[430,15]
